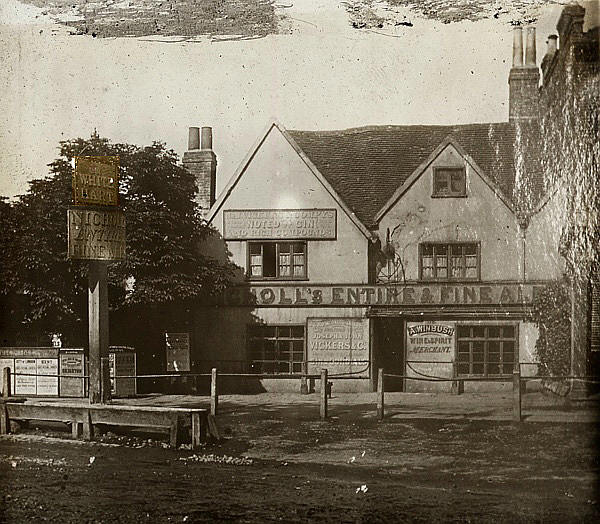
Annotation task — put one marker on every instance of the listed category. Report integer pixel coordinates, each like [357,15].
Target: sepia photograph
[299,261]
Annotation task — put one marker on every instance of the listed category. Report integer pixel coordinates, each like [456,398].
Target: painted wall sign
[96,234]
[178,351]
[365,295]
[257,224]
[25,352]
[96,180]
[430,341]
[339,344]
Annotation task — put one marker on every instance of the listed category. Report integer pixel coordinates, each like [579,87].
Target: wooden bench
[83,418]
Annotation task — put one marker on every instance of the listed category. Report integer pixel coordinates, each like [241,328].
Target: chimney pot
[517,47]
[194,138]
[206,138]
[530,47]
[552,44]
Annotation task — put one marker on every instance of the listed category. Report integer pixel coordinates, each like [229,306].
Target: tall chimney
[201,161]
[524,79]
[530,47]
[551,50]
[517,47]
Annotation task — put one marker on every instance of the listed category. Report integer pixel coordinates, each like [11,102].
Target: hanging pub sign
[269,224]
[178,351]
[96,181]
[96,234]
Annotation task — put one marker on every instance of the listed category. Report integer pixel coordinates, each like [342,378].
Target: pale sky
[322,74]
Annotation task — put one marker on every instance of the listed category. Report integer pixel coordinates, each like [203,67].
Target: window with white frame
[449,261]
[277,260]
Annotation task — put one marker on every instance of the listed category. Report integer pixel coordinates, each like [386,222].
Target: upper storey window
[449,261]
[449,182]
[277,260]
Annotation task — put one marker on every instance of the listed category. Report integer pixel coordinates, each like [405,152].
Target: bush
[552,315]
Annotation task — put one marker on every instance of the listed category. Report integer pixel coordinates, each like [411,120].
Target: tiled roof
[365,165]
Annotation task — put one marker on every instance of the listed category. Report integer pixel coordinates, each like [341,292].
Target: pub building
[399,247]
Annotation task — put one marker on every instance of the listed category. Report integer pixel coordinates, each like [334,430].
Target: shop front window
[486,350]
[277,260]
[454,261]
[276,349]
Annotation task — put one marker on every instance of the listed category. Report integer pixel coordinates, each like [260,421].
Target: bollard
[517,396]
[6,392]
[214,396]
[323,394]
[380,393]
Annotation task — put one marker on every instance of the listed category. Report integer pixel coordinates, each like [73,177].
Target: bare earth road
[347,469]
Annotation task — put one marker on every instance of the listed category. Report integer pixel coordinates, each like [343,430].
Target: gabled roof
[274,124]
[366,165]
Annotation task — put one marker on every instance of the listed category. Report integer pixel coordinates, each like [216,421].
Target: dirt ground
[286,465]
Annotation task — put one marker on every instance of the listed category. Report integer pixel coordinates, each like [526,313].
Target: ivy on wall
[552,316]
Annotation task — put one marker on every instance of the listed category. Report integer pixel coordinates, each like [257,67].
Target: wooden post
[97,327]
[303,380]
[517,395]
[458,386]
[198,429]
[380,394]
[6,392]
[214,396]
[323,394]
[76,429]
[88,426]
[174,431]
[4,420]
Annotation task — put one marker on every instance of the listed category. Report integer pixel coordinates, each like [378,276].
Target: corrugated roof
[365,165]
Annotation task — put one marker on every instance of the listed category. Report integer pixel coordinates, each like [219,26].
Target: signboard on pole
[96,234]
[96,180]
[178,351]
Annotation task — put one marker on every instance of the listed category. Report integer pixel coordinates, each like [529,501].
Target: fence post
[458,386]
[6,383]
[517,395]
[323,394]
[214,396]
[380,394]
[303,380]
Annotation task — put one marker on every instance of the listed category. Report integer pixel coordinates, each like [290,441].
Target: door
[389,350]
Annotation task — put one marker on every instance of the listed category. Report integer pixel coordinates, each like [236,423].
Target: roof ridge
[376,127]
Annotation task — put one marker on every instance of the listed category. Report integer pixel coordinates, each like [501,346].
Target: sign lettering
[248,224]
[493,294]
[96,235]
[96,180]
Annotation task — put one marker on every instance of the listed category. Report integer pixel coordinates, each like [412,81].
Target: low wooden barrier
[83,418]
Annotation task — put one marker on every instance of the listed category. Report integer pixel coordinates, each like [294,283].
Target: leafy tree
[164,276]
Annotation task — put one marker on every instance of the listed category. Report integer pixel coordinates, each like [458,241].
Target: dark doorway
[389,350]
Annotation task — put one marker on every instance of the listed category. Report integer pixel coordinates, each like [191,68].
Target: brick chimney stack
[524,79]
[201,161]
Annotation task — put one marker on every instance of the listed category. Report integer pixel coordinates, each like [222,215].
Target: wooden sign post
[96,232]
